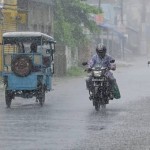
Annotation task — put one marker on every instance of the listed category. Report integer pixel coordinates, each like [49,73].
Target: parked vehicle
[27,73]
[100,90]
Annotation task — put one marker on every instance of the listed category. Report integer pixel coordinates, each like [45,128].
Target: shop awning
[111,28]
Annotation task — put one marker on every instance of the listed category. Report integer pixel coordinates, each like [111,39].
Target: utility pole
[121,27]
[122,16]
[143,12]
[100,35]
[99,5]
[142,41]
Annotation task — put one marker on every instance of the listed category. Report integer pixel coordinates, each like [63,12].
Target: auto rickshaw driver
[33,47]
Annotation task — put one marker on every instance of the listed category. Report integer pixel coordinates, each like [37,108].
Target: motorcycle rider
[104,60]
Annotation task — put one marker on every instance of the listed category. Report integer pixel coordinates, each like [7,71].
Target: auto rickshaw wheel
[41,94]
[8,98]
[21,65]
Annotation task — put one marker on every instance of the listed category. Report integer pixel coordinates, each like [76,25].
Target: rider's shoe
[107,102]
[90,97]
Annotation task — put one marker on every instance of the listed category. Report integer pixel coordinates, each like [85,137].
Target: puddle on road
[96,128]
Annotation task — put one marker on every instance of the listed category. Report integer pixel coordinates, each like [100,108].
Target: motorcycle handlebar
[92,69]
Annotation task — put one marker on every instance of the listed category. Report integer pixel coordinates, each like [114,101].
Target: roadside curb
[121,64]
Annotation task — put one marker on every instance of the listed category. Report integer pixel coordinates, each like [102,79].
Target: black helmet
[101,50]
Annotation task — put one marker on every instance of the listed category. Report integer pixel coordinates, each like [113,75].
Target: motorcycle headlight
[97,73]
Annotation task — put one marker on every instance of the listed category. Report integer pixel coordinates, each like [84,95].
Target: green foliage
[75,71]
[69,16]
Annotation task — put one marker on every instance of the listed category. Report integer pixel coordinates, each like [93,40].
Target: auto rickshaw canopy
[16,37]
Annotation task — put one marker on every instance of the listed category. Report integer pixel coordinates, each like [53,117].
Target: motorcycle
[100,89]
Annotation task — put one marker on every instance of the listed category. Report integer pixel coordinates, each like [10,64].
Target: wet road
[68,120]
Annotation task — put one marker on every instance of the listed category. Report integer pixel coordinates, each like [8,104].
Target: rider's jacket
[105,62]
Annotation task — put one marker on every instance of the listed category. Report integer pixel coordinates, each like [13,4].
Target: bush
[75,71]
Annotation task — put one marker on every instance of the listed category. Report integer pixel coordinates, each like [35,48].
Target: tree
[69,18]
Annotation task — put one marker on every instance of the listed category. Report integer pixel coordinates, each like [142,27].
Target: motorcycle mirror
[84,63]
[112,61]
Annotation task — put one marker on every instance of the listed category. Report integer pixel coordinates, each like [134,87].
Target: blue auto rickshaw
[28,65]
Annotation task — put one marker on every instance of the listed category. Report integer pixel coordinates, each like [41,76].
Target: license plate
[97,79]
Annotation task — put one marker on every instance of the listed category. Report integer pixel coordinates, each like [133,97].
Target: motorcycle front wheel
[97,106]
[103,106]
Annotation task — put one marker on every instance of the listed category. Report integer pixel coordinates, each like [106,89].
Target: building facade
[40,15]
[25,15]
